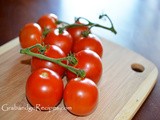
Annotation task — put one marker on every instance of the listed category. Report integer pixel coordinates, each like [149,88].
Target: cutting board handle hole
[137,67]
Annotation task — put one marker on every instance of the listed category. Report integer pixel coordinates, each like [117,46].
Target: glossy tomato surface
[48,21]
[44,89]
[53,52]
[76,32]
[62,40]
[30,35]
[81,96]
[90,62]
[91,42]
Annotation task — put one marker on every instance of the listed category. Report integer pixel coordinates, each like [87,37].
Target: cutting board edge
[9,45]
[138,98]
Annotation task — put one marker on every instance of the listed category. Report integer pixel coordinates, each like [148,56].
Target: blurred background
[137,23]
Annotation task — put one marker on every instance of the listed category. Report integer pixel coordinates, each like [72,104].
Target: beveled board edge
[9,45]
[137,99]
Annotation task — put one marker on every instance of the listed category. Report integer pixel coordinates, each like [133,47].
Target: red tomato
[48,21]
[91,42]
[90,62]
[81,96]
[62,40]
[30,34]
[44,89]
[53,52]
[76,32]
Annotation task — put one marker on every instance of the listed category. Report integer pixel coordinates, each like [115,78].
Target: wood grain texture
[121,89]
[136,21]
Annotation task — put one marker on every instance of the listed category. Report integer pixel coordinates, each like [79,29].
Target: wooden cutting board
[127,80]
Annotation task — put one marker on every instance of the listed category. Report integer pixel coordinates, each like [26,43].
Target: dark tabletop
[136,21]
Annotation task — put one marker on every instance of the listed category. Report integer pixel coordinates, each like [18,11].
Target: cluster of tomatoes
[45,86]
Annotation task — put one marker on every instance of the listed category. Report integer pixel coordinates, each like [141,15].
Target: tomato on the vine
[30,35]
[76,32]
[53,52]
[48,21]
[90,62]
[44,89]
[62,40]
[81,96]
[52,58]
[91,42]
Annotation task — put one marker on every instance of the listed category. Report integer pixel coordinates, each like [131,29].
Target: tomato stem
[72,59]
[62,22]
[61,29]
[90,24]
[85,33]
[45,32]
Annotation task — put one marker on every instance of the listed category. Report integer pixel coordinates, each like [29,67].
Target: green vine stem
[89,24]
[78,72]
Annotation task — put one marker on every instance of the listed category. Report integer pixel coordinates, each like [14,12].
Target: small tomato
[81,96]
[44,89]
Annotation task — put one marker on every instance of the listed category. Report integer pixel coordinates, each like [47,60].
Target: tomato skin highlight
[48,21]
[30,35]
[82,99]
[44,88]
[90,62]
[91,42]
[53,52]
[76,32]
[62,40]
